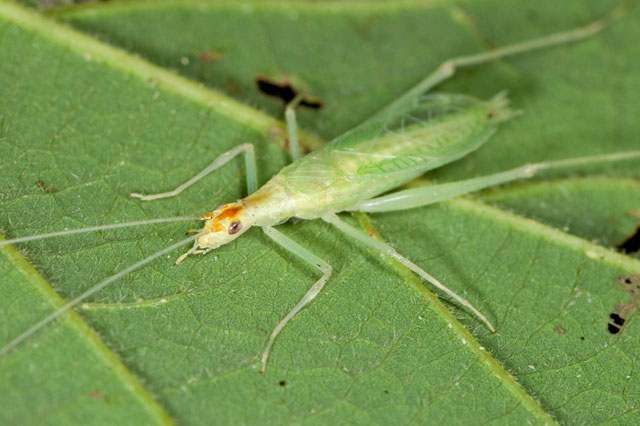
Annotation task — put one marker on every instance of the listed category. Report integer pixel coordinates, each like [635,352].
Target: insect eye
[235,226]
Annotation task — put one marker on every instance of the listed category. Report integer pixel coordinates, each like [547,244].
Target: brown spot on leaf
[45,188]
[365,26]
[233,88]
[210,55]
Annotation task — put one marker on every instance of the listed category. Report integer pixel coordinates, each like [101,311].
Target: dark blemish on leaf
[532,16]
[629,284]
[285,91]
[631,244]
[582,338]
[45,188]
[233,88]
[559,330]
[282,383]
[210,55]
[365,26]
[386,392]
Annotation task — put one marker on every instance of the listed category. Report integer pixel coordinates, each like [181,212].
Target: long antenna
[73,302]
[98,228]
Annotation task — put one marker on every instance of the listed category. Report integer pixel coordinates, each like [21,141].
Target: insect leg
[311,258]
[390,251]
[430,194]
[448,68]
[292,127]
[250,164]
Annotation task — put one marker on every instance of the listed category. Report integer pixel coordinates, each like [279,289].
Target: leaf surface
[83,125]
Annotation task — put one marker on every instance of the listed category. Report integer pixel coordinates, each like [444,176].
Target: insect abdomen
[389,150]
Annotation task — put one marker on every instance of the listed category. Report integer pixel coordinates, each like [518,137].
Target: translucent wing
[419,136]
[395,146]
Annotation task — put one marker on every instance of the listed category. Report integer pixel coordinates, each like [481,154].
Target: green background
[83,124]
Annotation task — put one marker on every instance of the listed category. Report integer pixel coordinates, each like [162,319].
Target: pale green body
[381,154]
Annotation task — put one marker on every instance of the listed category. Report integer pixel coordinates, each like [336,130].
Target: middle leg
[292,127]
[316,288]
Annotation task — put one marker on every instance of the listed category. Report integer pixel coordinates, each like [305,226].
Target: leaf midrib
[83,329]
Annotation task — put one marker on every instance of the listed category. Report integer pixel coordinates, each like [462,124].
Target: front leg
[224,158]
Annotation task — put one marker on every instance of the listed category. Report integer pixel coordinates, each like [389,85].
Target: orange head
[224,224]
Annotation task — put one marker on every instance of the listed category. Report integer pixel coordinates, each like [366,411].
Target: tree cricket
[416,133]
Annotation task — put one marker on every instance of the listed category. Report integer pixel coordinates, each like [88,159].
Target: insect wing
[392,148]
[414,138]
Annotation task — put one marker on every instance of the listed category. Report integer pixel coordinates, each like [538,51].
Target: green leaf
[83,124]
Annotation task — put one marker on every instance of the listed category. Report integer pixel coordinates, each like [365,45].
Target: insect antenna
[73,302]
[592,159]
[98,228]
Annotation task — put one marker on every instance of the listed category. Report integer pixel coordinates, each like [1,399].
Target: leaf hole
[615,324]
[629,284]
[613,329]
[286,91]
[631,244]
